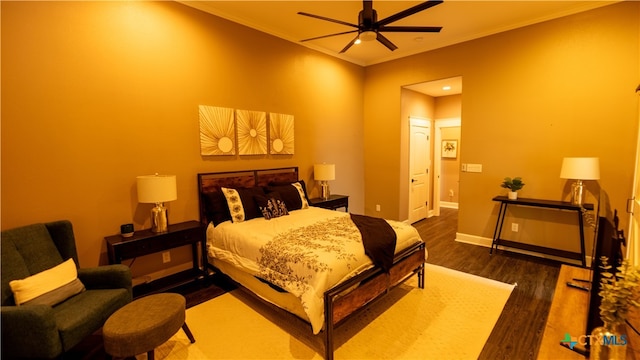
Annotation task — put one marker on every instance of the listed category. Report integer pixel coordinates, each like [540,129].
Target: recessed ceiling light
[446,88]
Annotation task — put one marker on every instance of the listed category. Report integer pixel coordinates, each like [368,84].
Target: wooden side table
[145,242]
[333,203]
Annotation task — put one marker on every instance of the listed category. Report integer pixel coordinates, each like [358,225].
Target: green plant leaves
[618,293]
[514,184]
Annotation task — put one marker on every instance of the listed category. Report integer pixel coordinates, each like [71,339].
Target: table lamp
[157,189]
[324,173]
[579,169]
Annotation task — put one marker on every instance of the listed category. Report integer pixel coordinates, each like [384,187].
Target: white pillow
[49,287]
[235,204]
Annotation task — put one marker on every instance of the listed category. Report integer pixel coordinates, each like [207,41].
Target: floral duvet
[304,253]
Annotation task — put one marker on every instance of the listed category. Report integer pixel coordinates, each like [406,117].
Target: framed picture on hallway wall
[449,149]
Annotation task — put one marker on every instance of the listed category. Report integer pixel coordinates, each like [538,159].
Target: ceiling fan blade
[411,28]
[324,36]
[327,19]
[409,11]
[350,44]
[386,42]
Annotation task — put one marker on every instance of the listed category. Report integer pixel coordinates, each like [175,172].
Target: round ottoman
[144,324]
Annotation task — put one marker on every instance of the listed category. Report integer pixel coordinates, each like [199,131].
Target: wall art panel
[281,133]
[252,132]
[217,131]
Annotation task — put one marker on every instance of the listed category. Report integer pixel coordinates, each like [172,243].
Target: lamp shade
[580,168]
[156,188]
[324,172]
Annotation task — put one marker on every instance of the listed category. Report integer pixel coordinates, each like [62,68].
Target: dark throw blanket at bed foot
[379,239]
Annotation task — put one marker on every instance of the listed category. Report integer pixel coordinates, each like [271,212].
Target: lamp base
[577,190]
[159,218]
[324,190]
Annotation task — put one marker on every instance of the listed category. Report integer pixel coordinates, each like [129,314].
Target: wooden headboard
[211,182]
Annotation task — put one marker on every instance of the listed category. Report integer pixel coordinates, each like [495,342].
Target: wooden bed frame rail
[373,285]
[340,303]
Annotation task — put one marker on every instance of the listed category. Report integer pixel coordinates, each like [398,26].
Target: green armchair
[43,331]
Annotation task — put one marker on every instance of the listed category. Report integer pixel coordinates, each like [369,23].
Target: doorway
[440,100]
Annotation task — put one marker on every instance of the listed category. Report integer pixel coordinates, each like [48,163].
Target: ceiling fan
[370,28]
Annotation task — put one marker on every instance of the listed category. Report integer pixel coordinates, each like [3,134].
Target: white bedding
[306,252]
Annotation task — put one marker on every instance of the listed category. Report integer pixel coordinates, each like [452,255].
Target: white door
[420,159]
[633,249]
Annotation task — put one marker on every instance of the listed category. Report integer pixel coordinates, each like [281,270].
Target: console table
[550,204]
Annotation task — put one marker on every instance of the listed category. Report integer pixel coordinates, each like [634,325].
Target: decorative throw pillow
[241,204]
[271,205]
[302,193]
[302,183]
[216,208]
[49,287]
[293,195]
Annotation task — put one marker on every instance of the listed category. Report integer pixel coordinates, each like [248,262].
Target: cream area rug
[451,318]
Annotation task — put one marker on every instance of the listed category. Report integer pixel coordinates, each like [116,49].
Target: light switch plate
[474,168]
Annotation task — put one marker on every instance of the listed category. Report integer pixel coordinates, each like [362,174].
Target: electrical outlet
[377,207]
[166,257]
[514,227]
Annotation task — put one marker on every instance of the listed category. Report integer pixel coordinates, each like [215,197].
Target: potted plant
[618,293]
[513,185]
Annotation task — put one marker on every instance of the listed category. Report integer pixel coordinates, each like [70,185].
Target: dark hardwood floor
[517,333]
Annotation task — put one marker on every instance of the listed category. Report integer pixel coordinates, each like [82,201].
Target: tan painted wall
[531,97]
[448,107]
[96,93]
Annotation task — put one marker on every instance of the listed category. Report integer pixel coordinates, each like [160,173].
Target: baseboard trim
[450,205]
[473,239]
[486,242]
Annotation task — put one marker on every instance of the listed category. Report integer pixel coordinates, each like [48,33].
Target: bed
[309,261]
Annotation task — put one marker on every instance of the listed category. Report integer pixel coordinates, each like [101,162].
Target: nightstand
[334,202]
[145,242]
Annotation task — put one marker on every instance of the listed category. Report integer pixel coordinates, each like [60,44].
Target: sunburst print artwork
[252,132]
[281,133]
[217,131]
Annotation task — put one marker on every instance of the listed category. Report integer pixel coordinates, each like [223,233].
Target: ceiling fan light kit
[368,35]
[369,28]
